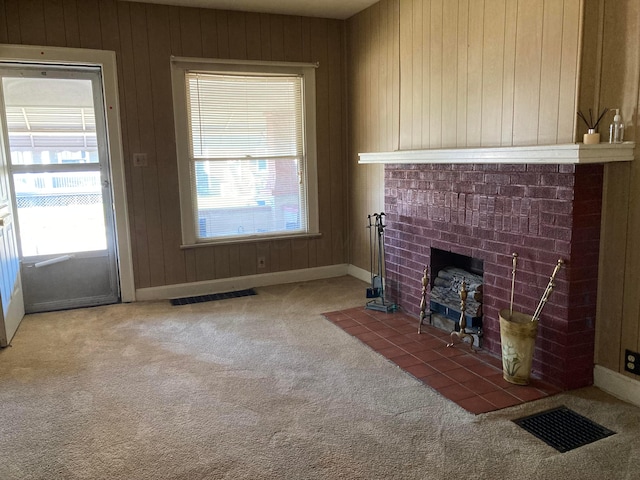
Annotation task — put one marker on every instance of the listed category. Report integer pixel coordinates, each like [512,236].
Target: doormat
[563,429]
[212,297]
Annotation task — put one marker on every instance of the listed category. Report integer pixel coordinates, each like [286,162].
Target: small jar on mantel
[591,137]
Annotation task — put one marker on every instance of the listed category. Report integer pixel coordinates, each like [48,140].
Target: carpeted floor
[261,387]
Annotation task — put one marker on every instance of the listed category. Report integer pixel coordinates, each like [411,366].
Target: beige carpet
[260,387]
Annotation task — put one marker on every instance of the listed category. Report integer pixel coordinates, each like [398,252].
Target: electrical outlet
[262,262]
[632,362]
[140,160]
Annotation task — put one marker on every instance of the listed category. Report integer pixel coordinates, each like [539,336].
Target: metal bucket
[518,338]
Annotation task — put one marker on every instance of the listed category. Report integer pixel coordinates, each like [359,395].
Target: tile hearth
[472,380]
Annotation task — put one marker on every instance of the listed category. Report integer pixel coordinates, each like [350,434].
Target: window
[246,150]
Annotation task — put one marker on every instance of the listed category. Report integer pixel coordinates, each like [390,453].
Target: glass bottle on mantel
[616,129]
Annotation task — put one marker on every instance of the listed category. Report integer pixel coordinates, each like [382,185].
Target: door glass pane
[60,212]
[50,120]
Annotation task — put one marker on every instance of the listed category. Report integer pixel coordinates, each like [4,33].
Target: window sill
[256,239]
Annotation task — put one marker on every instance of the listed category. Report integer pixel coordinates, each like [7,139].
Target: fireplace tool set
[377,258]
[545,294]
[518,333]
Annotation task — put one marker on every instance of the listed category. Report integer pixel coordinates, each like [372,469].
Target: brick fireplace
[542,212]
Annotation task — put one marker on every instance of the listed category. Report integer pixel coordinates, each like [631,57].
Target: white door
[59,168]
[12,309]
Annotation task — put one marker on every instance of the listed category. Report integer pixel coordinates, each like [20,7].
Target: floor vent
[563,429]
[212,297]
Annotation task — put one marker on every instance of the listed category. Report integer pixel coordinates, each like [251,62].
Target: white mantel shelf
[570,153]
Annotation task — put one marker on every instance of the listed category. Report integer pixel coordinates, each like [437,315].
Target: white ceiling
[341,9]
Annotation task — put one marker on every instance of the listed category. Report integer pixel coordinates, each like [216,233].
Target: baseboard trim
[222,285]
[359,273]
[616,384]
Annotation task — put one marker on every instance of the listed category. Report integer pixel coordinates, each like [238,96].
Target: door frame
[106,60]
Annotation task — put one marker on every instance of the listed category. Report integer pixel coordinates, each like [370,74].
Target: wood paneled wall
[144,37]
[487,73]
[374,86]
[614,62]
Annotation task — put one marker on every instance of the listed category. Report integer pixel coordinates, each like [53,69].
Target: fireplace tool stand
[376,291]
[462,334]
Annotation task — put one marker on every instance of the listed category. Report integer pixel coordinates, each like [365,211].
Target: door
[12,304]
[59,164]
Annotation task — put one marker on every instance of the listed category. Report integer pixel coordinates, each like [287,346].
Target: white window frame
[179,67]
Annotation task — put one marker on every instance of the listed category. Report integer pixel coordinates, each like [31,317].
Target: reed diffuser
[592,136]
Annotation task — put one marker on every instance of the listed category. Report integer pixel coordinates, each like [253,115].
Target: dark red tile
[476,405]
[438,380]
[356,329]
[413,347]
[378,344]
[421,370]
[461,374]
[400,340]
[456,392]
[526,393]
[443,364]
[480,385]
[428,355]
[483,370]
[406,329]
[407,360]
[347,322]
[452,352]
[386,332]
[501,399]
[391,352]
[368,335]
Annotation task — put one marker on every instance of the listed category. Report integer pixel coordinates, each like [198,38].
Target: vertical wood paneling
[450,73]
[169,202]
[420,69]
[612,254]
[254,47]
[475,73]
[204,263]
[462,79]
[527,73]
[71,25]
[436,79]
[237,35]
[131,143]
[209,29]
[4,36]
[493,62]
[149,184]
[553,23]
[109,26]
[32,27]
[222,24]
[338,170]
[569,72]
[406,74]
[89,25]
[190,33]
[508,73]
[54,26]
[11,9]
[320,52]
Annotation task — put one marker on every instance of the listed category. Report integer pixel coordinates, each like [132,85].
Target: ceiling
[341,9]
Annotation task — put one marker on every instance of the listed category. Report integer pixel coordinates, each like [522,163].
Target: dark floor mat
[563,428]
[212,297]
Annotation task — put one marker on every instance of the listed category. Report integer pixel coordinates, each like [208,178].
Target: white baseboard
[359,273]
[618,385]
[240,283]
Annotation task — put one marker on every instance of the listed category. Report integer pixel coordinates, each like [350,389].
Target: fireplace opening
[448,271]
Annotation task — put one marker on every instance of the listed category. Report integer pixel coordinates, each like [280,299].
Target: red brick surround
[541,212]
